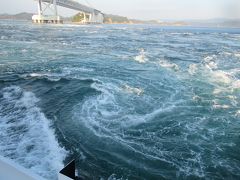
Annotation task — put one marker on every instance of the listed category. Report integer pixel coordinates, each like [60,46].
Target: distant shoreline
[189,26]
[115,19]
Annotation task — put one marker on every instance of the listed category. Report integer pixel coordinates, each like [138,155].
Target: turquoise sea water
[126,101]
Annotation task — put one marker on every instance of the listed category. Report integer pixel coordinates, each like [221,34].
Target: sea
[125,101]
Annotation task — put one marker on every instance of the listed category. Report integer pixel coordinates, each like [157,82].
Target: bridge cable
[89,4]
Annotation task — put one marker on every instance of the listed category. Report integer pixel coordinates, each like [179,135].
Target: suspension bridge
[90,15]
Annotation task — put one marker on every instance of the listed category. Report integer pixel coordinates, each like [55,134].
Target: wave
[210,62]
[237,54]
[133,90]
[168,65]
[237,113]
[225,84]
[70,70]
[221,77]
[209,58]
[49,76]
[3,37]
[227,53]
[236,84]
[26,134]
[192,69]
[217,105]
[182,33]
[141,58]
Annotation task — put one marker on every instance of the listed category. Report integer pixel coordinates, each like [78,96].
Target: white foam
[233,99]
[196,98]
[212,65]
[227,53]
[235,71]
[168,65]
[37,75]
[221,106]
[100,110]
[133,90]
[26,136]
[237,54]
[24,50]
[114,177]
[3,38]
[217,105]
[90,31]
[209,58]
[210,62]
[104,114]
[141,58]
[178,33]
[237,113]
[217,91]
[236,84]
[221,77]
[70,70]
[192,69]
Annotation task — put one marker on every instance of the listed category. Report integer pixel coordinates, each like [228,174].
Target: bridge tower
[43,8]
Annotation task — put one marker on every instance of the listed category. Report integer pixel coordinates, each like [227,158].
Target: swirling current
[125,101]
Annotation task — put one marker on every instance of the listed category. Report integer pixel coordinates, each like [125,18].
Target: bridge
[90,15]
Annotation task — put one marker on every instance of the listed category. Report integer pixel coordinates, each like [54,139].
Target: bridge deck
[74,5]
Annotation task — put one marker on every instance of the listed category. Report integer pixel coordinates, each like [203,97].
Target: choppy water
[126,101]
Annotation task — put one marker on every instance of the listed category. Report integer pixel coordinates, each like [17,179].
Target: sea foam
[133,90]
[141,58]
[26,135]
[168,65]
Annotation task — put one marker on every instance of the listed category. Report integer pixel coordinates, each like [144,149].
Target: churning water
[126,101]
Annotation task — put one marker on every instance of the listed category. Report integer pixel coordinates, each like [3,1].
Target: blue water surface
[125,101]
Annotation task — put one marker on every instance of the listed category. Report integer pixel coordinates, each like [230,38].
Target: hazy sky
[144,9]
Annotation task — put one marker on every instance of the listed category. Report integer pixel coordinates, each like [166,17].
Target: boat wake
[26,135]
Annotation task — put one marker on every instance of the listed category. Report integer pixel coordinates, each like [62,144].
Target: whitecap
[236,84]
[237,54]
[192,69]
[237,114]
[209,58]
[235,71]
[196,98]
[210,62]
[70,70]
[211,65]
[49,76]
[133,90]
[168,65]
[26,136]
[178,33]
[3,38]
[233,100]
[24,50]
[37,75]
[218,91]
[217,105]
[221,106]
[141,58]
[221,77]
[227,53]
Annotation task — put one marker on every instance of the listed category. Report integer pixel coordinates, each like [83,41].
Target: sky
[143,9]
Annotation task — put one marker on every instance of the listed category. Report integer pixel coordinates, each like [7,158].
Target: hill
[115,19]
[19,16]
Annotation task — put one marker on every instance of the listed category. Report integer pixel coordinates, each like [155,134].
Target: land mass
[116,19]
[19,16]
